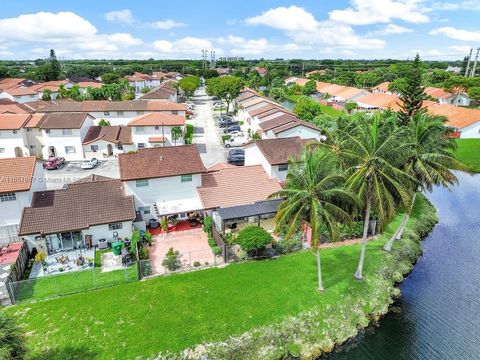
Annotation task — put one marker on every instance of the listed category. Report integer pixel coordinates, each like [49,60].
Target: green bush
[254,239]
[229,239]
[240,123]
[207,225]
[211,241]
[143,253]
[133,242]
[188,134]
[285,246]
[172,260]
[225,138]
[12,340]
[217,250]
[148,238]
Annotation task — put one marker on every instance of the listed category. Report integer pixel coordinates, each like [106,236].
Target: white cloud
[471,5]
[457,34]
[303,28]
[393,29]
[187,46]
[240,46]
[65,31]
[124,16]
[165,24]
[365,12]
[461,49]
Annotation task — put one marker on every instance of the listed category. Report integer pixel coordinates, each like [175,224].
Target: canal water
[439,311]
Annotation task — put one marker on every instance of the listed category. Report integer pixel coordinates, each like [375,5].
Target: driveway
[192,245]
[207,135]
[72,171]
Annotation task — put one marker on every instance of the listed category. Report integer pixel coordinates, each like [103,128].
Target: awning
[178,206]
[156,139]
[241,211]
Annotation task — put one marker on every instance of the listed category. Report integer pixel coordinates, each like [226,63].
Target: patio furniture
[102,244]
[62,259]
[80,261]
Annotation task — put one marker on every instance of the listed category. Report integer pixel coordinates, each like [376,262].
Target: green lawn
[72,282]
[178,311]
[469,153]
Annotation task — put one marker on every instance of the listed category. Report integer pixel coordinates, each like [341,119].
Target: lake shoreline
[314,334]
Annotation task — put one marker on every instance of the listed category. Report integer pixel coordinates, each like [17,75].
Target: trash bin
[117,247]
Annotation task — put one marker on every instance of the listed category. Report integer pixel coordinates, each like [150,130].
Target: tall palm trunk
[397,235]
[359,273]
[319,270]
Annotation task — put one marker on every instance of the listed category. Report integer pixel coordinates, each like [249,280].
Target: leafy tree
[47,95]
[254,239]
[412,94]
[145,90]
[4,72]
[74,93]
[110,78]
[397,85]
[307,109]
[350,107]
[189,84]
[277,93]
[309,88]
[12,339]
[474,93]
[103,122]
[429,161]
[314,194]
[176,134]
[456,85]
[172,260]
[226,88]
[52,67]
[62,92]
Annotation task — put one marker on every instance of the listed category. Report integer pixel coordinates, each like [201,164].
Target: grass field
[468,152]
[178,311]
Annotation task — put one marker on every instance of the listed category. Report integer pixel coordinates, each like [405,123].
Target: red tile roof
[13,121]
[236,186]
[158,119]
[112,134]
[103,105]
[8,106]
[64,120]
[156,139]
[279,151]
[160,162]
[17,174]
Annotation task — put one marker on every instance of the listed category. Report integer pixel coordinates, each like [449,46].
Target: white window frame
[186,178]
[144,210]
[2,150]
[283,167]
[141,145]
[106,113]
[66,132]
[68,148]
[120,113]
[115,226]
[94,147]
[139,129]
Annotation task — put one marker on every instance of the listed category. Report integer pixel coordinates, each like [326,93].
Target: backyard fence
[50,286]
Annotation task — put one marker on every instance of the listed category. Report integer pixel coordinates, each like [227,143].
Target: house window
[186,178]
[106,113]
[94,147]
[120,113]
[141,145]
[115,226]
[119,146]
[28,130]
[47,131]
[8,197]
[157,127]
[139,129]
[70,150]
[2,150]
[32,146]
[140,112]
[141,183]
[14,131]
[283,167]
[175,112]
[66,131]
[144,210]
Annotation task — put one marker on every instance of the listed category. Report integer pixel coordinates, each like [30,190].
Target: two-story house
[166,91]
[19,179]
[274,154]
[63,134]
[13,139]
[116,112]
[107,141]
[157,129]
[163,180]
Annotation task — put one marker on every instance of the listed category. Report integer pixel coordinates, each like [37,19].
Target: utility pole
[472,74]
[468,62]
[212,59]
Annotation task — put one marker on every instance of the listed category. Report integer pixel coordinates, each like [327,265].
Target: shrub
[12,341]
[40,257]
[172,260]
[211,241]
[207,224]
[229,239]
[148,238]
[226,137]
[254,239]
[240,123]
[188,134]
[143,253]
[285,246]
[133,242]
[217,250]
[196,264]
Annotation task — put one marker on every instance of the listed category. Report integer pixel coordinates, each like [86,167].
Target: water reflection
[439,314]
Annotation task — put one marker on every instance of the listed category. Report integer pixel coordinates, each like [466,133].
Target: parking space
[72,171]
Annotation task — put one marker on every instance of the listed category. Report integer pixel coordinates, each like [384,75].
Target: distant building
[231,58]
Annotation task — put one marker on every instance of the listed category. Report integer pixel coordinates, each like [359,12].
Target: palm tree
[429,162]
[314,194]
[176,133]
[376,154]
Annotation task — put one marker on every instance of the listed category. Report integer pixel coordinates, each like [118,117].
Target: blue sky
[366,29]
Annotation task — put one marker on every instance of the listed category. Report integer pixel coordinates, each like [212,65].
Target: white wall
[102,232]
[103,151]
[56,139]
[254,156]
[124,117]
[301,131]
[163,189]
[10,139]
[471,132]
[34,138]
[150,131]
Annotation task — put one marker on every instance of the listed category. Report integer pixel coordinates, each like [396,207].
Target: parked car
[236,140]
[218,105]
[189,112]
[232,129]
[53,163]
[226,121]
[89,164]
[236,157]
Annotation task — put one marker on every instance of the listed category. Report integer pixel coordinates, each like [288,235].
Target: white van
[234,141]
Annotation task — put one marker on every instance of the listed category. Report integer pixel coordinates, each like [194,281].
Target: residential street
[207,135]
